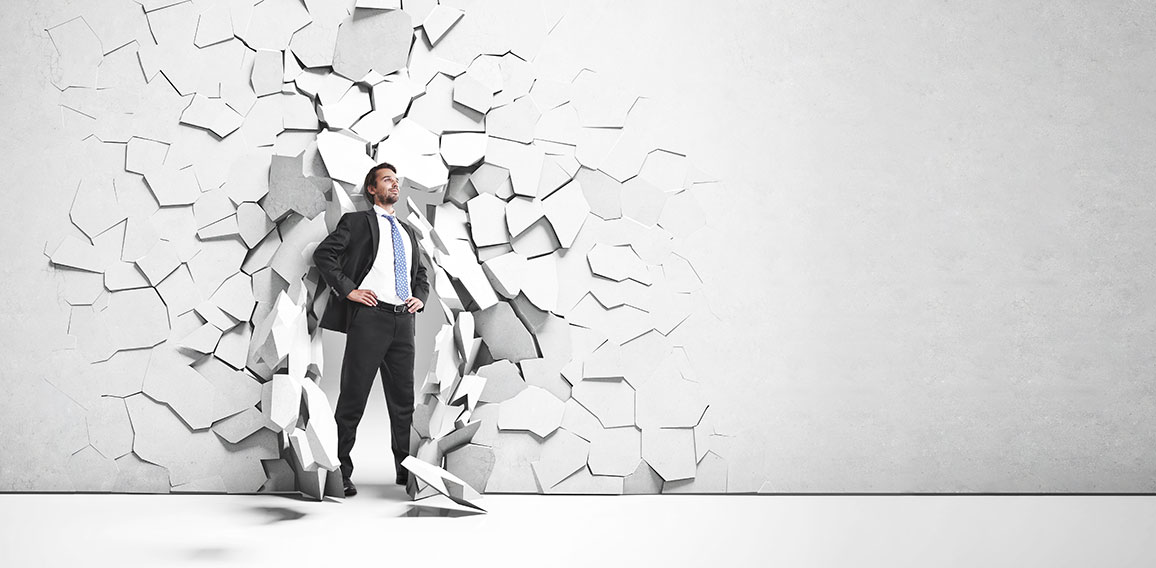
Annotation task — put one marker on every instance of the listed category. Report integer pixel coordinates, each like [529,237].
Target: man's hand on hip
[366,297]
[414,304]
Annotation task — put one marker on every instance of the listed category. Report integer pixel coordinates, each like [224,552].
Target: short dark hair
[371,178]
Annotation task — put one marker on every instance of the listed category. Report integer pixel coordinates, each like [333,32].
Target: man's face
[386,189]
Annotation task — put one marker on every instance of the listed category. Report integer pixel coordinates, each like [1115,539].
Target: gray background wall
[931,246]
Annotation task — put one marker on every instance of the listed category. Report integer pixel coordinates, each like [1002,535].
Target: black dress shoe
[350,488]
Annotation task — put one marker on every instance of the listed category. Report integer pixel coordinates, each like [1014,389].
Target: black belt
[390,308]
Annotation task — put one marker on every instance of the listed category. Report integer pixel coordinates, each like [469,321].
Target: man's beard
[388,198]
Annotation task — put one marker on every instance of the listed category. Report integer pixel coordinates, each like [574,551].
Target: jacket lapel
[375,234]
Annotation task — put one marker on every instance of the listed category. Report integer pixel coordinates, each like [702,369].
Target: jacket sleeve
[421,279]
[327,253]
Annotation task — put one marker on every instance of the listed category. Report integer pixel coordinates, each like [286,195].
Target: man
[371,263]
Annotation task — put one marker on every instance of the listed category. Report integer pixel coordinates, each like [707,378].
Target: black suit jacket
[345,257]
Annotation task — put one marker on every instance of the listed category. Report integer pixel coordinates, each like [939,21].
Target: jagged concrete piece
[389,31]
[472,93]
[521,212]
[563,453]
[670,451]
[268,70]
[273,23]
[615,451]
[567,210]
[710,476]
[514,121]
[344,156]
[290,190]
[211,114]
[471,463]
[94,209]
[533,409]
[506,273]
[487,220]
[75,253]
[576,419]
[617,263]
[172,186]
[240,425]
[504,334]
[644,481]
[503,381]
[461,149]
[611,401]
[524,161]
[444,482]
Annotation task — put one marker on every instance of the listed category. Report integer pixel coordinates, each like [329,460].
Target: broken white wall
[930,248]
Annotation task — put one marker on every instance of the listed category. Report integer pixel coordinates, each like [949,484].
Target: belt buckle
[398,309]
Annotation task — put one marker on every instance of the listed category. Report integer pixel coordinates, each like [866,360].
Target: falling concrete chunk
[533,409]
[504,334]
[616,451]
[388,31]
[290,190]
[280,401]
[439,21]
[563,453]
[268,69]
[710,477]
[611,401]
[670,451]
[211,114]
[461,149]
[444,482]
[503,381]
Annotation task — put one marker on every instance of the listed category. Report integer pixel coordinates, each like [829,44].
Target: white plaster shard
[533,409]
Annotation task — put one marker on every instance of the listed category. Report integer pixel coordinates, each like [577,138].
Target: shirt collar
[379,211]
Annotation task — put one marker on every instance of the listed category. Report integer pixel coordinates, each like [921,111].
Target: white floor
[675,530]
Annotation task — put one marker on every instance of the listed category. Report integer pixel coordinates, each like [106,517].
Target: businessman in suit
[371,262]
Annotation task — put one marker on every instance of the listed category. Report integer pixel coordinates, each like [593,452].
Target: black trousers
[376,340]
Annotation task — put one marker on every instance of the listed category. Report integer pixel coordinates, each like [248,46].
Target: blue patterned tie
[400,274]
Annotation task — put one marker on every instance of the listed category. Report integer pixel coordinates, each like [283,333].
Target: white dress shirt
[380,278]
